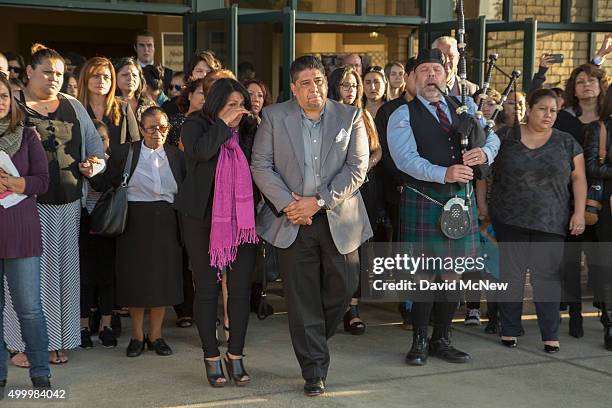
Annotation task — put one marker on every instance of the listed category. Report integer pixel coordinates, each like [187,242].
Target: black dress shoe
[160,347]
[314,387]
[551,349]
[510,343]
[41,382]
[135,348]
[443,349]
[419,350]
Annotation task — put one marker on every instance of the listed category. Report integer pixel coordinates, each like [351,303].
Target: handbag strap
[603,150]
[127,167]
[263,301]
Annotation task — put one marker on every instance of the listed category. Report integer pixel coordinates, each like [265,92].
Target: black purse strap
[128,167]
[263,301]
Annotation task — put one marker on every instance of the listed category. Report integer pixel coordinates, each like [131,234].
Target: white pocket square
[341,136]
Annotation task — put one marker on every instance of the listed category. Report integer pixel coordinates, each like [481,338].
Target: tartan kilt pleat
[420,226]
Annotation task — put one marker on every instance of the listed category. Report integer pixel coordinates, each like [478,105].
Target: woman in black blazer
[148,253]
[207,136]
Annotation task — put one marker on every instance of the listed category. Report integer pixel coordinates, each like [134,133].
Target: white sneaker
[472,317]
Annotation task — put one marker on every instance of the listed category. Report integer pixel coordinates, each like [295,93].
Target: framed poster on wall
[172,50]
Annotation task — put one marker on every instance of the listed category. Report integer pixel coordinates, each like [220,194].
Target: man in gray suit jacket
[309,158]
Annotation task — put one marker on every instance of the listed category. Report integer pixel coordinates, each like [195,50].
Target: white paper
[7,165]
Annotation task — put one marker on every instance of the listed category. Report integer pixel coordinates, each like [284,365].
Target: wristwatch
[320,201]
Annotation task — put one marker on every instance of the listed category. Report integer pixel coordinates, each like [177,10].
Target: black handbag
[109,216]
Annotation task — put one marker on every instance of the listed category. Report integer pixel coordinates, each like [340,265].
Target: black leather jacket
[594,169]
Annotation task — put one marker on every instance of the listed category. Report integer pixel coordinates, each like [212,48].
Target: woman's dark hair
[571,101]
[539,94]
[208,57]
[220,92]
[182,102]
[67,77]
[40,54]
[376,69]
[15,116]
[154,77]
[152,111]
[303,63]
[264,89]
[336,78]
[122,62]
[13,56]
[559,91]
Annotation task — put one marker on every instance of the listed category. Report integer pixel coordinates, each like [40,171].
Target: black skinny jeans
[196,234]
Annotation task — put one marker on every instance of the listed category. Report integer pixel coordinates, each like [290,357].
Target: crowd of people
[213,169]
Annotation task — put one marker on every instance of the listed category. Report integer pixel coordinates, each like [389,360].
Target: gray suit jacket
[277,163]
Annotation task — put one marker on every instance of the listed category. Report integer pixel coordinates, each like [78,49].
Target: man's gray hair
[444,40]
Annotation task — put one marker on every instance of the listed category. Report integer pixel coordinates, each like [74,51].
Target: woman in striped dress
[72,146]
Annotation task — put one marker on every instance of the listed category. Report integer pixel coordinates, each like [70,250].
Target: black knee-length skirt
[149,257]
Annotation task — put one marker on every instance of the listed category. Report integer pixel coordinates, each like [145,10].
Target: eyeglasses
[153,130]
[16,70]
[347,87]
[176,87]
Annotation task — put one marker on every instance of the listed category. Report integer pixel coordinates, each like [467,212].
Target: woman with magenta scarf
[217,206]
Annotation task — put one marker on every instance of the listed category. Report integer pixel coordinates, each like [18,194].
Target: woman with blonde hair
[97,85]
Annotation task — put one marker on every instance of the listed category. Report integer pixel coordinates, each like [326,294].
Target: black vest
[433,144]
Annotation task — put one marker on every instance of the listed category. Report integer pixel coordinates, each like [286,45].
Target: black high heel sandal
[214,372]
[236,371]
[355,328]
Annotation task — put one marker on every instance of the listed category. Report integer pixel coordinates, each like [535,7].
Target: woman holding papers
[23,175]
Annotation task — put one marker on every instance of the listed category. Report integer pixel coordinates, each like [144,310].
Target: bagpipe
[455,221]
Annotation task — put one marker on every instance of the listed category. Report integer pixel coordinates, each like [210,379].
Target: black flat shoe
[135,348]
[314,387]
[41,382]
[214,372]
[443,349]
[419,351]
[356,328]
[160,347]
[236,371]
[510,343]
[184,322]
[551,349]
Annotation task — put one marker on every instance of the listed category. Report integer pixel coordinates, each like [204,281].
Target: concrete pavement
[366,371]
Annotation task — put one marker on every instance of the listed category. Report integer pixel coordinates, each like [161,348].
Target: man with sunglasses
[310,156]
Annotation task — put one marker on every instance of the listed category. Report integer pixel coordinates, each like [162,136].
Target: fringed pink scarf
[233,215]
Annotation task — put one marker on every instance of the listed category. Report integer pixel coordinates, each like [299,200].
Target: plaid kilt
[420,231]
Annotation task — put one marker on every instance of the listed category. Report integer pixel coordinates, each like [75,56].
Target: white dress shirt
[152,179]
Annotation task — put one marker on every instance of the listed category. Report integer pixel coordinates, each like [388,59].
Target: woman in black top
[530,204]
[602,169]
[97,84]
[584,95]
[207,136]
[189,101]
